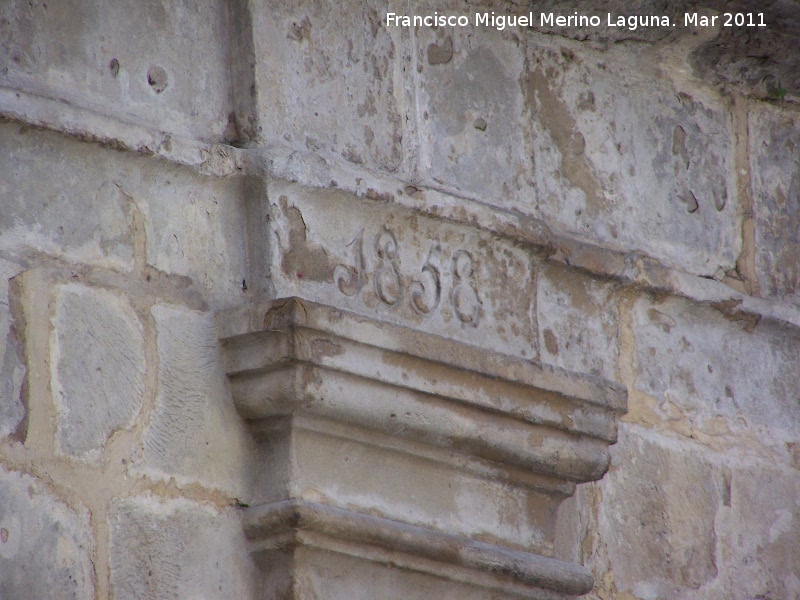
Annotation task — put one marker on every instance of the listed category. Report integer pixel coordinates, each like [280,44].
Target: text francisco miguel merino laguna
[632,22]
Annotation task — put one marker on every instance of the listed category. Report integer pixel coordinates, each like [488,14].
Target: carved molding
[306,374]
[283,525]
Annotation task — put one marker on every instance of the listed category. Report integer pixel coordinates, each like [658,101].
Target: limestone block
[57,199]
[323,64]
[194,227]
[700,363]
[97,367]
[775,169]
[195,434]
[763,533]
[627,158]
[88,204]
[381,260]
[657,517]
[12,363]
[176,549]
[135,61]
[578,321]
[473,120]
[45,546]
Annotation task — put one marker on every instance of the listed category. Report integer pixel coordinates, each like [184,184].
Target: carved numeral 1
[349,279]
[466,303]
[427,291]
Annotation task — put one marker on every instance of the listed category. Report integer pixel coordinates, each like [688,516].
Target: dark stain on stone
[728,308]
[554,115]
[440,54]
[374,194]
[322,347]
[550,342]
[303,258]
[480,123]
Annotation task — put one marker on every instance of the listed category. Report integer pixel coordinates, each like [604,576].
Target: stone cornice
[288,357]
[294,523]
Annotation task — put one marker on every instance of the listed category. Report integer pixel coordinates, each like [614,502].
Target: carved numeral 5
[427,290]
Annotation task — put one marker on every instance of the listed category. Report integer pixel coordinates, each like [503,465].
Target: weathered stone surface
[578,321]
[322,63]
[177,549]
[195,434]
[701,364]
[775,167]
[98,365]
[45,546]
[758,61]
[474,126]
[194,227]
[657,518]
[373,258]
[762,534]
[57,199]
[655,173]
[87,204]
[12,364]
[129,59]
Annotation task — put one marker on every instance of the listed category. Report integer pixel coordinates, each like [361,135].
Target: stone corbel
[397,463]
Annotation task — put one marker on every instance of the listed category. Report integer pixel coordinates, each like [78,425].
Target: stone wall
[615,203]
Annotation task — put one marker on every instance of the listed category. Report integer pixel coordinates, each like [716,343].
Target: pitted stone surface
[701,364]
[87,51]
[45,546]
[403,267]
[762,552]
[775,165]
[475,128]
[578,321]
[12,364]
[98,367]
[60,202]
[171,549]
[660,501]
[194,228]
[194,434]
[654,173]
[320,64]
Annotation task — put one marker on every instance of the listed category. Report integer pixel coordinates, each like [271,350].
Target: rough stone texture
[59,202]
[130,59]
[175,549]
[775,164]
[593,176]
[194,228]
[98,366]
[706,370]
[657,517]
[12,365]
[758,61]
[474,122]
[654,173]
[194,433]
[85,204]
[45,546]
[366,257]
[762,533]
[318,65]
[578,321]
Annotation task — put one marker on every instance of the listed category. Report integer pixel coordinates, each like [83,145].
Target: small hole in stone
[157,79]
[114,66]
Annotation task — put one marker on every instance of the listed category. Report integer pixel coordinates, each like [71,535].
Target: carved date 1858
[424,291]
